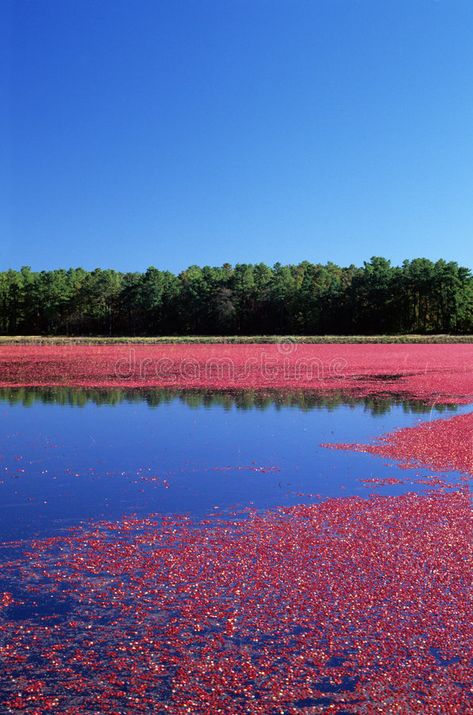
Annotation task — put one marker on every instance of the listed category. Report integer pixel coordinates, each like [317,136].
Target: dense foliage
[418,297]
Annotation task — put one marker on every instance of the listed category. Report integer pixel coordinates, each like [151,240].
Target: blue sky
[173,132]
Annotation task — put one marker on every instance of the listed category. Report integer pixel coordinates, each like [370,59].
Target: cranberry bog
[274,529]
[428,372]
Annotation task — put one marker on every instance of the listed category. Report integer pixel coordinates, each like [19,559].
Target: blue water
[66,458]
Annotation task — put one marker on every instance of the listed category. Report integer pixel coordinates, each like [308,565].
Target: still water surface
[68,456]
[139,616]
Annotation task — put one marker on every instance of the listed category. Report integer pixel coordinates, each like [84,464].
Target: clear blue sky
[173,132]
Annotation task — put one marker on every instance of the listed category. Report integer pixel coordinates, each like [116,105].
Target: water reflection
[169,452]
[241,399]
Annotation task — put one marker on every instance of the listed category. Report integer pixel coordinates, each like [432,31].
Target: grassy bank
[236,339]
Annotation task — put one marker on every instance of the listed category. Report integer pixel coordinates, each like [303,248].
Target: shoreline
[239,340]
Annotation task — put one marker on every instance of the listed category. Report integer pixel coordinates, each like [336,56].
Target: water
[68,456]
[92,621]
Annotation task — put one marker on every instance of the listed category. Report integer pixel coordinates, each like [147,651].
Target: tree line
[420,296]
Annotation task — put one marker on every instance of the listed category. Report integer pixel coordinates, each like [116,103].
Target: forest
[420,296]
